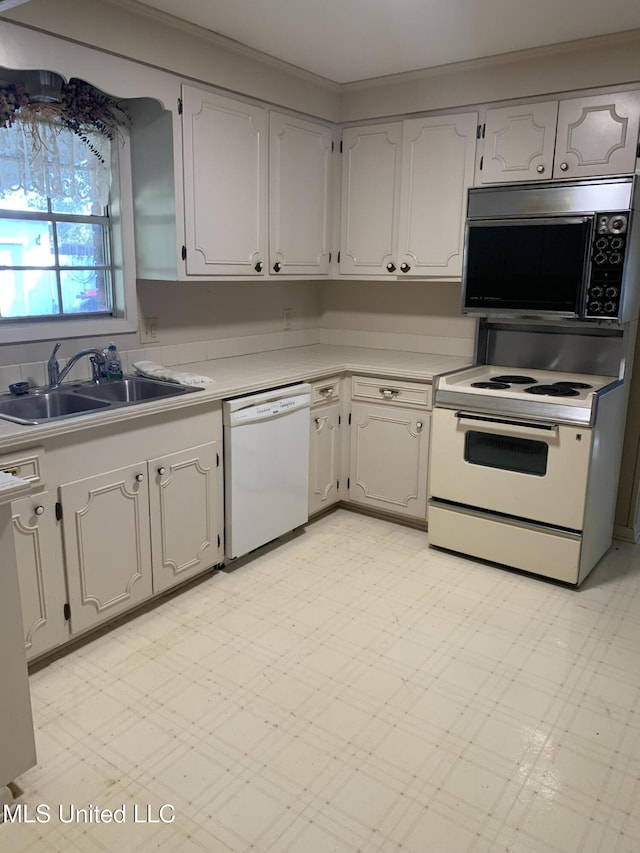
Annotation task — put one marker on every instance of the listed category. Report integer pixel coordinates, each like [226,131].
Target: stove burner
[553,391]
[494,386]
[570,384]
[514,379]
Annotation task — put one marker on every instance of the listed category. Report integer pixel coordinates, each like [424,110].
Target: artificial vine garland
[82,109]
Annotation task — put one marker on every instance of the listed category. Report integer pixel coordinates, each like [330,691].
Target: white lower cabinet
[131,509]
[107,544]
[324,457]
[138,531]
[372,449]
[389,458]
[40,573]
[326,444]
[182,502]
[389,445]
[36,538]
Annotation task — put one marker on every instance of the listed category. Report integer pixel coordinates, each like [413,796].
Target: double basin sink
[82,398]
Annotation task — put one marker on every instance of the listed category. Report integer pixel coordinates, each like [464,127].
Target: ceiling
[347,40]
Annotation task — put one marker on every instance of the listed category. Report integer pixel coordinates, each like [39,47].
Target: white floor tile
[352,691]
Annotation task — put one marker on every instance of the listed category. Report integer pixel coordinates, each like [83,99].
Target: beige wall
[589,63]
[124,30]
[418,316]
[202,311]
[205,311]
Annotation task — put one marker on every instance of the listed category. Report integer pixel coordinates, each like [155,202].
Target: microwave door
[526,267]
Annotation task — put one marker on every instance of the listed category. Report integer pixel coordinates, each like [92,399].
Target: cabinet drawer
[325,391]
[27,464]
[415,394]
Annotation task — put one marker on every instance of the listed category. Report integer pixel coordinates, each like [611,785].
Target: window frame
[124,316]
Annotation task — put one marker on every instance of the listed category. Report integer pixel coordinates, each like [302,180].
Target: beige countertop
[247,373]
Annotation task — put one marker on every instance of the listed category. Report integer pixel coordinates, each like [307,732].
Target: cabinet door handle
[564,167]
[326,392]
[15,472]
[277,266]
[317,421]
[39,510]
[419,425]
[161,470]
[540,169]
[389,393]
[391,267]
[139,478]
[258,267]
[405,267]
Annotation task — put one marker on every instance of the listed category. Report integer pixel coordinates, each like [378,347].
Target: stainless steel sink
[46,406]
[133,389]
[82,398]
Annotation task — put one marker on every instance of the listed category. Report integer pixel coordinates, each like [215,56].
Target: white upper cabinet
[574,138]
[519,143]
[371,158]
[404,191]
[299,183]
[438,160]
[225,184]
[597,135]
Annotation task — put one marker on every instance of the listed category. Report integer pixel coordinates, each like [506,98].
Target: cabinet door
[299,180]
[519,143]
[438,159]
[324,457]
[107,544]
[225,184]
[371,158]
[597,135]
[40,573]
[389,459]
[184,509]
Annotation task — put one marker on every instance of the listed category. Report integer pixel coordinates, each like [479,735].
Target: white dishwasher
[266,466]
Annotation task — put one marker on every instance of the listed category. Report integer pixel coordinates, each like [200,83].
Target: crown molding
[485,62]
[231,45]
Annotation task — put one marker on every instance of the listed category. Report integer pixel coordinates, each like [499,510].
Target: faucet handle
[98,371]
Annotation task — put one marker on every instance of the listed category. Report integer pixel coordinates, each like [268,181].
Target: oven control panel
[607,263]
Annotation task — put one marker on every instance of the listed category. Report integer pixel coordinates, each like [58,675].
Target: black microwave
[557,251]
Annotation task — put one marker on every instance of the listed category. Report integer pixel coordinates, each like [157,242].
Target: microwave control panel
[608,251]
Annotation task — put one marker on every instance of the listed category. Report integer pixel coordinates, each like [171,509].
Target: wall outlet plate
[149,330]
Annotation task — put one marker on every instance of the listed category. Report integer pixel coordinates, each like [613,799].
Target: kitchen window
[66,249]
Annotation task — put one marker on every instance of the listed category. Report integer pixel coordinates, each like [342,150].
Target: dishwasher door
[266,466]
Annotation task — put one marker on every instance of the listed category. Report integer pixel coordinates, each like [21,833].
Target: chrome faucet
[55,376]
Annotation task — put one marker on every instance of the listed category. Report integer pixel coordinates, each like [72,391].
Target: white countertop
[247,373]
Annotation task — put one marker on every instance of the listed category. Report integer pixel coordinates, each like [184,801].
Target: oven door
[525,469]
[527,267]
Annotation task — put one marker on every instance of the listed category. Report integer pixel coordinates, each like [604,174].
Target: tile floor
[351,691]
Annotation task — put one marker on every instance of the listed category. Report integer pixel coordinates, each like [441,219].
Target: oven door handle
[506,422]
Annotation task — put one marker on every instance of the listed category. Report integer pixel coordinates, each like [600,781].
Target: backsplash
[36,372]
[223,319]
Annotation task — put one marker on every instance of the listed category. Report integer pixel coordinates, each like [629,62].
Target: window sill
[49,330]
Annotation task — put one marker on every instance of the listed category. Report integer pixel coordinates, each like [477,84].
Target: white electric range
[524,467]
